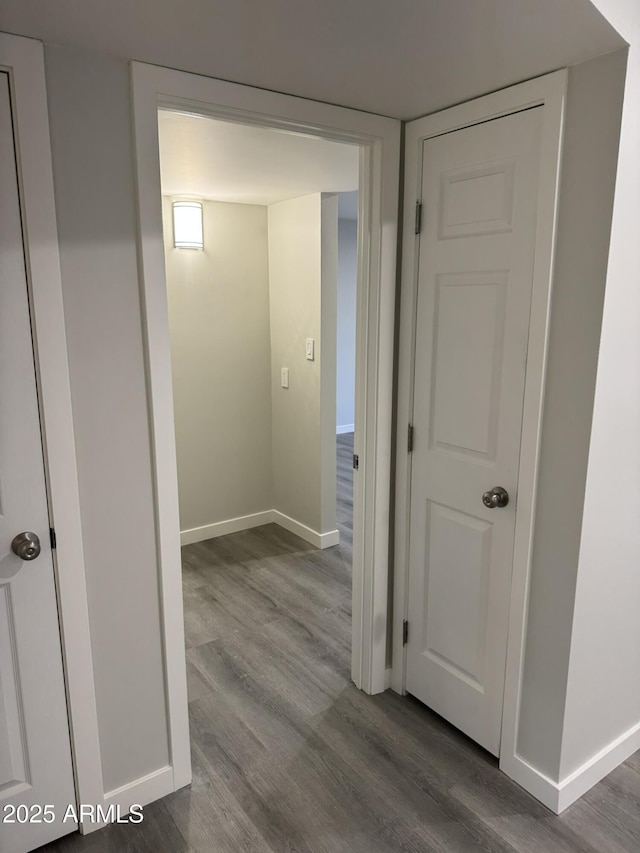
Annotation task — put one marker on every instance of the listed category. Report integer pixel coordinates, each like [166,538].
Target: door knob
[26,545]
[496,498]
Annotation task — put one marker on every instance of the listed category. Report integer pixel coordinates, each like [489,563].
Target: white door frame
[379,138]
[23,60]
[549,92]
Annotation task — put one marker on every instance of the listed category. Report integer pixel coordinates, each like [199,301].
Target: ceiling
[223,161]
[403,58]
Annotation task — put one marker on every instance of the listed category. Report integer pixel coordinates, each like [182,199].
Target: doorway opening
[377,141]
[347,281]
[262,303]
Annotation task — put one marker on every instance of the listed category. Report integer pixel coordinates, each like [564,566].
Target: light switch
[284,377]
[310,349]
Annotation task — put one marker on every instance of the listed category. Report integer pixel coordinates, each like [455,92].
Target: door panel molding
[549,92]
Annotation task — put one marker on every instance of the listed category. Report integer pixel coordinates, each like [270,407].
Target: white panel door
[35,755]
[475,269]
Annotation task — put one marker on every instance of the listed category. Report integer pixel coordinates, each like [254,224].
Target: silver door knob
[26,545]
[496,498]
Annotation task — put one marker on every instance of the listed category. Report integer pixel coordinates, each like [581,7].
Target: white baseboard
[557,796]
[221,528]
[544,789]
[592,771]
[257,519]
[140,792]
[320,540]
[341,430]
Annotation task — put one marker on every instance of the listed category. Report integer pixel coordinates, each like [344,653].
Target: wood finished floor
[289,756]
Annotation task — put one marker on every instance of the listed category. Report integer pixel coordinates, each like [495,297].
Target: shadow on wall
[240,311]
[346,311]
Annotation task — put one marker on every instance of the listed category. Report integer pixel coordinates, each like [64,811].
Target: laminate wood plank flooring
[289,756]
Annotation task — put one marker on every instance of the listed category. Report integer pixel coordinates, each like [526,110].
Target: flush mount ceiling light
[187,225]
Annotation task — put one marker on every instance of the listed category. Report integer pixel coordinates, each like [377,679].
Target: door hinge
[410,439]
[356,462]
[52,537]
[405,632]
[418,217]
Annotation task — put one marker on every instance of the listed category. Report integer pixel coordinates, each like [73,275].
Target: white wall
[346,319]
[220,354]
[296,278]
[94,188]
[603,695]
[584,220]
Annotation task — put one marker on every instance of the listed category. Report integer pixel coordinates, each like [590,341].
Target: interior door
[35,755]
[475,270]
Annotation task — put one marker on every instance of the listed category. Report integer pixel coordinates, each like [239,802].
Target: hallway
[289,756]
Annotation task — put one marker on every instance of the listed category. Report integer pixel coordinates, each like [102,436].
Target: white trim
[379,141]
[258,519]
[319,540]
[24,61]
[222,528]
[573,786]
[558,796]
[552,92]
[544,789]
[549,92]
[345,428]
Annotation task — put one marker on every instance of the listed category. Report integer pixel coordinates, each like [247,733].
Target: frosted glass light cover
[187,225]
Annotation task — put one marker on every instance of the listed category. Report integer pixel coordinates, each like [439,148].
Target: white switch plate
[310,349]
[284,377]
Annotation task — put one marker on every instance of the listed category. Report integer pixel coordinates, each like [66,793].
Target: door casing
[379,141]
[549,92]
